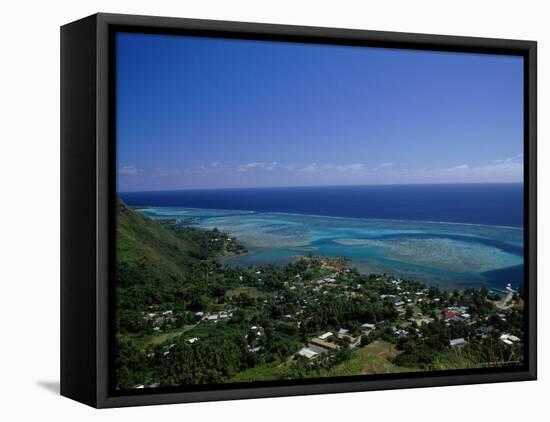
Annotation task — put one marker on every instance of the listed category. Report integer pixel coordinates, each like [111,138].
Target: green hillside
[150,259]
[161,267]
[145,247]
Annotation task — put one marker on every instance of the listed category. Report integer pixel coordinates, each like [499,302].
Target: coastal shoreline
[334,237]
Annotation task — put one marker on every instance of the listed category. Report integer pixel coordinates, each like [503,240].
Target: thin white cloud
[127,170]
[502,171]
[165,172]
[258,165]
[515,158]
[161,172]
[508,167]
[214,167]
[310,168]
[351,167]
[276,173]
[341,168]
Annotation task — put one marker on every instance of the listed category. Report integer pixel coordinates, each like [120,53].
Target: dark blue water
[492,204]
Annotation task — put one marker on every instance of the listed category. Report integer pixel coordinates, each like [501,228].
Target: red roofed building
[448,314]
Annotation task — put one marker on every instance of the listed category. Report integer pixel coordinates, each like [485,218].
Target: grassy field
[372,359]
[158,338]
[455,359]
[267,372]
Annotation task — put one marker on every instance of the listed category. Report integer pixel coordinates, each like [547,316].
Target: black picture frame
[88,206]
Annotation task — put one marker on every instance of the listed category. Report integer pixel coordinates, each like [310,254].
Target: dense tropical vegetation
[184,318]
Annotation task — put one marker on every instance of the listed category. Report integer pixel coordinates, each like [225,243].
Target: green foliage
[417,357]
[211,360]
[158,269]
[130,363]
[167,272]
[304,368]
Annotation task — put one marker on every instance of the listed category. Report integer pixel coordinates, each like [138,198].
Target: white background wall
[29,178]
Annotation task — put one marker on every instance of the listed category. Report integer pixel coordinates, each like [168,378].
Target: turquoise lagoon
[446,254]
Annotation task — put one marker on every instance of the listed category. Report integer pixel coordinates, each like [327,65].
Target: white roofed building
[325,335]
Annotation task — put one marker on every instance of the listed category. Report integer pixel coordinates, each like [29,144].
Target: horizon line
[320,186]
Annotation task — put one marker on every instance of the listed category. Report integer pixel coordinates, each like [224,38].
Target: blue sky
[212,113]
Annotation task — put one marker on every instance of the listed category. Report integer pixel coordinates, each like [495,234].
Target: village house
[311,351]
[448,314]
[508,339]
[399,332]
[353,341]
[307,353]
[325,335]
[456,313]
[484,330]
[323,343]
[457,342]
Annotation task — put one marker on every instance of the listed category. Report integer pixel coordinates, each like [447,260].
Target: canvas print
[292,211]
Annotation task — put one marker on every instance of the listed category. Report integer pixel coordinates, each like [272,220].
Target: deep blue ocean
[468,235]
[493,204]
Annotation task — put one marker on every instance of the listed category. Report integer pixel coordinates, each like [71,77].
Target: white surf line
[251,212]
